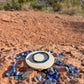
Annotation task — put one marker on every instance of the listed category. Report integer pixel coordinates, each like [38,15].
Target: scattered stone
[39,77]
[16,77]
[25,75]
[12,57]
[48,82]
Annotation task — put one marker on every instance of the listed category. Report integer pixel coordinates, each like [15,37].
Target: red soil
[20,31]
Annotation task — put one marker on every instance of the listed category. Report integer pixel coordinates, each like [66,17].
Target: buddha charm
[40,61]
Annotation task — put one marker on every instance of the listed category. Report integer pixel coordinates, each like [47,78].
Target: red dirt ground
[20,31]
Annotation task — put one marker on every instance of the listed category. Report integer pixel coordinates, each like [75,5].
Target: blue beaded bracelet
[40,53]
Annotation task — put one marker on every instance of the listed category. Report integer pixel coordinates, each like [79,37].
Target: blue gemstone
[16,77]
[47,76]
[48,50]
[39,77]
[54,81]
[30,51]
[66,65]
[71,71]
[67,68]
[56,72]
[61,54]
[13,67]
[71,77]
[7,74]
[44,76]
[56,55]
[70,66]
[22,54]
[12,57]
[12,74]
[25,55]
[19,77]
[75,71]
[76,68]
[35,79]
[71,74]
[54,67]
[18,57]
[47,82]
[14,63]
[20,74]
[52,51]
[17,73]
[25,75]
[26,52]
[55,76]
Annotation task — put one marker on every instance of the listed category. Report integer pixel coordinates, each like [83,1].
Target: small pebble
[48,82]
[71,77]
[70,66]
[75,71]
[14,63]
[25,75]
[47,76]
[12,57]
[39,77]
[51,51]
[56,55]
[7,74]
[12,74]
[17,73]
[16,77]
[35,79]
[55,76]
[18,57]
[67,68]
[22,54]
[19,77]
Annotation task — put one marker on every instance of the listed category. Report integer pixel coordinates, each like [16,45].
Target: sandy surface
[21,31]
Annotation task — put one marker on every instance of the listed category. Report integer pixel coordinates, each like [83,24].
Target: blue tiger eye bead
[30,51]
[14,63]
[39,77]
[51,51]
[16,77]
[12,74]
[75,71]
[67,68]
[26,52]
[48,50]
[66,65]
[48,82]
[18,57]
[71,77]
[56,55]
[13,67]
[70,66]
[54,81]
[17,73]
[19,77]
[7,74]
[47,76]
[12,57]
[13,70]
[55,76]
[35,79]
[76,68]
[61,54]
[71,71]
[21,54]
